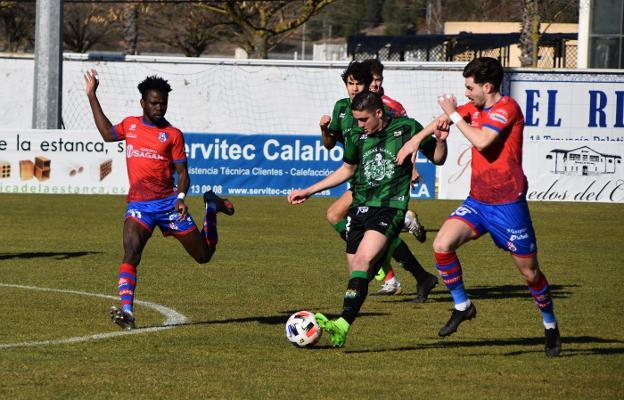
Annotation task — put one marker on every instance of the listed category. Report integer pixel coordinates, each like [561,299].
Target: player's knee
[204,258]
[333,217]
[531,276]
[442,246]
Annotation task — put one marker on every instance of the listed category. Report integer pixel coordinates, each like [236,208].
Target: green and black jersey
[342,118]
[379,181]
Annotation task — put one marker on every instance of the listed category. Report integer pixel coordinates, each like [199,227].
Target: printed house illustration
[583,161]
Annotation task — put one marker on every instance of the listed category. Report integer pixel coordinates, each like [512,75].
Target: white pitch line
[173,318]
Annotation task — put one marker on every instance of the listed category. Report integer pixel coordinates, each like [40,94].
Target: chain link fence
[555,51]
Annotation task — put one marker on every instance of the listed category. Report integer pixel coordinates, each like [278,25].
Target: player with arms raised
[497,204]
[154,151]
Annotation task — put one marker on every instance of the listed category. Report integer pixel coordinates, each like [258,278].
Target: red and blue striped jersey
[151,152]
[497,174]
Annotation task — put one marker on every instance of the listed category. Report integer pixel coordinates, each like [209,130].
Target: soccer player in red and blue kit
[497,204]
[154,152]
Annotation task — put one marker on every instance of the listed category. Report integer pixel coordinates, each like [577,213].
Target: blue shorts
[509,224]
[161,213]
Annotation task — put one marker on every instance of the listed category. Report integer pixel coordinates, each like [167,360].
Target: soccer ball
[302,330]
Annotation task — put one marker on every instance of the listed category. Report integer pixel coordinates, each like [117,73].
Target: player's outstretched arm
[341,175]
[298,196]
[410,148]
[102,123]
[479,138]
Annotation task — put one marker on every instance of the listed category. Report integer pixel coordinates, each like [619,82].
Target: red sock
[389,275]
[126,284]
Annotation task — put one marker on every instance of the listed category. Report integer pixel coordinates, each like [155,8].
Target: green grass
[274,259]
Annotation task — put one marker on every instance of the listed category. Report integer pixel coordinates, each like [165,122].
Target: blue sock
[540,291]
[209,231]
[451,272]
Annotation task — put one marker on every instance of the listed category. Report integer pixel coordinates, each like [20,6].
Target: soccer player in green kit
[380,197]
[358,78]
[391,284]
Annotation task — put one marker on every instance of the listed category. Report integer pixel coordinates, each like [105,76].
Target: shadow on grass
[568,349]
[536,343]
[64,255]
[486,293]
[268,320]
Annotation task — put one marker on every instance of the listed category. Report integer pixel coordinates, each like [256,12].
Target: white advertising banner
[571,105]
[569,170]
[562,170]
[454,175]
[61,162]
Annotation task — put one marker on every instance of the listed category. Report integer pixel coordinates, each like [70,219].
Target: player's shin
[127,280]
[354,297]
[540,291]
[450,270]
[403,255]
[209,230]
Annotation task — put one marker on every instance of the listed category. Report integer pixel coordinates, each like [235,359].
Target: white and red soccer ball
[302,330]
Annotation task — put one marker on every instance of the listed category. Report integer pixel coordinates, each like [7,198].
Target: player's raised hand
[448,103]
[92,80]
[298,196]
[325,120]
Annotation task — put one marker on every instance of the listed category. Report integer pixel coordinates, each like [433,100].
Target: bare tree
[17,25]
[533,13]
[130,27]
[529,34]
[434,17]
[85,26]
[195,29]
[263,24]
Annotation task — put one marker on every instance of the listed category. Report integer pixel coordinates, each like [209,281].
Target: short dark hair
[154,83]
[359,72]
[485,70]
[375,66]
[367,101]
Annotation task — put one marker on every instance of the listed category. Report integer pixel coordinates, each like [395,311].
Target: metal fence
[555,50]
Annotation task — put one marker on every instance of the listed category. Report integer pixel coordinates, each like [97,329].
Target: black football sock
[403,254]
[355,295]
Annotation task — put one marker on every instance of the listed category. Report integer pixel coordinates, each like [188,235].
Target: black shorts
[385,220]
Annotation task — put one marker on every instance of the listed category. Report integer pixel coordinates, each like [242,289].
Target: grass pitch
[274,259]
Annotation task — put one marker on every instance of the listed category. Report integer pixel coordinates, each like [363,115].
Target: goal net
[246,96]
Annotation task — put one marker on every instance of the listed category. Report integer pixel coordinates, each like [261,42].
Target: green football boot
[336,329]
[381,274]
